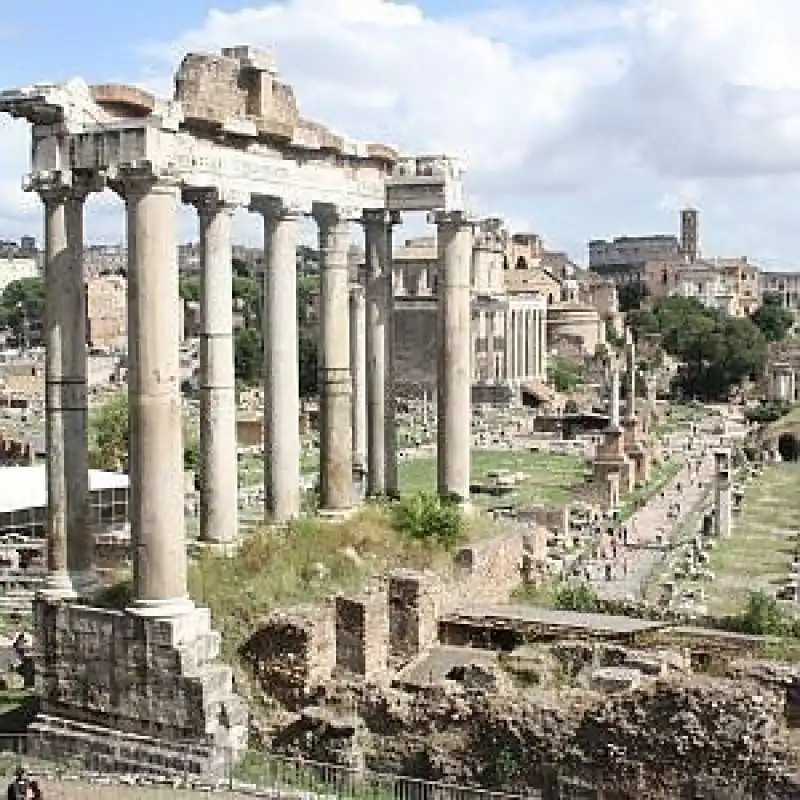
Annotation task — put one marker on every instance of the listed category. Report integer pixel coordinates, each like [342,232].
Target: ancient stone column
[358,367]
[154,398]
[630,358]
[543,339]
[379,338]
[490,318]
[454,237]
[69,539]
[218,461]
[508,346]
[520,344]
[281,366]
[613,401]
[722,494]
[336,437]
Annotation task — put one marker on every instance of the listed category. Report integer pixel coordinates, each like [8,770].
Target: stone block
[144,683]
[362,634]
[414,600]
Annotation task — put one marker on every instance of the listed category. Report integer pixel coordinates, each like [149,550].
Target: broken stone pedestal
[610,458]
[122,692]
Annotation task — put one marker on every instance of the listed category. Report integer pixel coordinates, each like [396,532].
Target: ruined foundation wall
[132,687]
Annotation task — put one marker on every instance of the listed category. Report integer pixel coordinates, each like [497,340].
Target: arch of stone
[128,688]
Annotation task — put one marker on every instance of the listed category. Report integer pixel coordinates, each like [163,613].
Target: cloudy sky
[577,119]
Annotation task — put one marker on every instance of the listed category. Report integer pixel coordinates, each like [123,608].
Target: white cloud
[584,117]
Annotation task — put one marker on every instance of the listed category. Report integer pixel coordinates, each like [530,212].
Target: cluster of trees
[717,352]
[248,299]
[22,309]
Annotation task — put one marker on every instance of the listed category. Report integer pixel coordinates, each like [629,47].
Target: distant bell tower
[689,234]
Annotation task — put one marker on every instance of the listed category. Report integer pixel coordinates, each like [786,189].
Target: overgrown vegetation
[311,559]
[767,412]
[426,517]
[718,352]
[772,319]
[565,374]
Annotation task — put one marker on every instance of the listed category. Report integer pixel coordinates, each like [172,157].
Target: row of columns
[525,337]
[356,382]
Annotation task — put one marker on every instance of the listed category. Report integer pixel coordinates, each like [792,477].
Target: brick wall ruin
[382,629]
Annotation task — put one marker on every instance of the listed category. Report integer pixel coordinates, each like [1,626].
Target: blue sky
[577,120]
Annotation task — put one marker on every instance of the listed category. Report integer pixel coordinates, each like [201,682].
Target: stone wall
[372,634]
[134,690]
[293,650]
[678,736]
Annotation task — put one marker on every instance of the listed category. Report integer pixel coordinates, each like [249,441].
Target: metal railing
[260,775]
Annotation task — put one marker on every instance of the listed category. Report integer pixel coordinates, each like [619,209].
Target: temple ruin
[130,684]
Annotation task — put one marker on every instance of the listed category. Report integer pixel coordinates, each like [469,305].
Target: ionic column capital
[62,187]
[210,202]
[134,182]
[278,208]
[380,217]
[456,219]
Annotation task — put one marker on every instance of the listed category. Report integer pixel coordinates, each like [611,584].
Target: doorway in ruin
[789,447]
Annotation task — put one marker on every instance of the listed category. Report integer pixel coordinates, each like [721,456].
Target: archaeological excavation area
[448,674]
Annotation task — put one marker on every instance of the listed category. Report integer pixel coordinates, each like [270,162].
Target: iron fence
[259,775]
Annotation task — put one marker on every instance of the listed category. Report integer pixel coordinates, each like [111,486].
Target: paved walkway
[631,564]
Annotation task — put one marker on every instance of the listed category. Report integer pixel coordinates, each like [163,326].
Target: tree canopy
[717,351]
[22,306]
[772,319]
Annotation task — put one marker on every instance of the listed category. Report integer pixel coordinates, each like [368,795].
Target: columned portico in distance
[335,381]
[281,371]
[454,237]
[218,461]
[156,420]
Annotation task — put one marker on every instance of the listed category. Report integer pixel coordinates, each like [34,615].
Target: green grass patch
[549,477]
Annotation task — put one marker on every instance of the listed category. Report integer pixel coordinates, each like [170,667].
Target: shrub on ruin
[762,616]
[577,597]
[427,517]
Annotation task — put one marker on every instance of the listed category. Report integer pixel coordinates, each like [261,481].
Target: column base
[179,714]
[161,609]
[57,586]
[228,548]
[337,514]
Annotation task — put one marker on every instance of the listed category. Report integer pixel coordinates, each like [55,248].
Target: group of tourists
[23,787]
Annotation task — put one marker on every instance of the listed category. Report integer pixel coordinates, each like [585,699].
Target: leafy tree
[717,351]
[631,295]
[190,288]
[772,319]
[248,355]
[564,374]
[109,435]
[427,517]
[22,307]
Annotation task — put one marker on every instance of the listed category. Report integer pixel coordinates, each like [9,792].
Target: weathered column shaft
[358,366]
[381,452]
[613,401]
[454,235]
[722,494]
[508,346]
[281,367]
[156,447]
[543,329]
[490,316]
[336,437]
[218,461]
[630,357]
[57,312]
[80,537]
